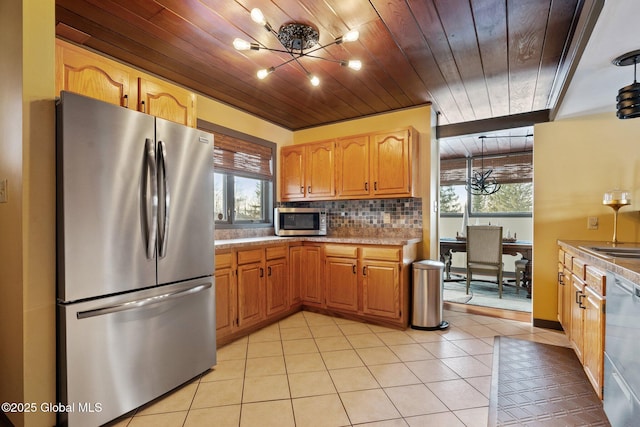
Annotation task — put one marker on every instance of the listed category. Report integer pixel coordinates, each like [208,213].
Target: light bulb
[263,73]
[240,44]
[314,80]
[351,36]
[257,16]
[354,65]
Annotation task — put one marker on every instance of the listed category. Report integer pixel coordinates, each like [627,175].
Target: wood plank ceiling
[471,59]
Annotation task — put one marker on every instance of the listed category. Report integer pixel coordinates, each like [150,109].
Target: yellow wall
[421,119]
[575,162]
[27,221]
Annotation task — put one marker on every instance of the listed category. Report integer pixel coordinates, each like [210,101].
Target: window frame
[468,199]
[268,194]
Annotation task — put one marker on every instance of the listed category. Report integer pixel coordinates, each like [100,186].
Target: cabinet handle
[126,101]
[364,270]
[144,107]
[366,186]
[302,189]
[580,302]
[578,297]
[309,189]
[261,272]
[353,268]
[269,271]
[560,278]
[375,185]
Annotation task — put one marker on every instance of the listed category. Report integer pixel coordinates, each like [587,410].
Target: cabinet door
[342,283]
[226,302]
[296,272]
[381,288]
[320,170]
[277,284]
[311,270]
[391,163]
[292,173]
[352,155]
[560,292]
[577,319]
[250,294]
[568,299]
[167,101]
[594,338]
[89,74]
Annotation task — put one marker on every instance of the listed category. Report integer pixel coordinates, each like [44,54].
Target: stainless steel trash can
[427,303]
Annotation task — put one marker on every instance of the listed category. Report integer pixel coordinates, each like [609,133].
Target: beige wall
[27,221]
[575,162]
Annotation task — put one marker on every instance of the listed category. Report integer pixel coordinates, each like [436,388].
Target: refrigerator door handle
[133,305]
[162,177]
[150,172]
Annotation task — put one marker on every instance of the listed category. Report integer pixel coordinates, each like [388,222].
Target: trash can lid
[428,264]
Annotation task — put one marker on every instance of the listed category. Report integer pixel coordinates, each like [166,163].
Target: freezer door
[185,211]
[121,352]
[104,199]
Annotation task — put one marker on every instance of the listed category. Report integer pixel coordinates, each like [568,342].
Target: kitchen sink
[632,252]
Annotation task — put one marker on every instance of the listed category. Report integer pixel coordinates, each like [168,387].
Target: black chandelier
[628,99]
[481,183]
[298,40]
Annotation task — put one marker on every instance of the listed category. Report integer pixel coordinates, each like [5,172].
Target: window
[244,170]
[514,173]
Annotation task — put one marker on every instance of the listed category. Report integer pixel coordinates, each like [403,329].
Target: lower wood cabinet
[581,312]
[306,274]
[341,272]
[252,289]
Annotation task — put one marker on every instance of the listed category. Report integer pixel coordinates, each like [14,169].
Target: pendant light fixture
[481,183]
[299,41]
[628,99]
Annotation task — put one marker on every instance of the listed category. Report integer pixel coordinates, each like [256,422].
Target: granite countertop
[364,240]
[626,267]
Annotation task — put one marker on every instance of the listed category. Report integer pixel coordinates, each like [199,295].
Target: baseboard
[547,324]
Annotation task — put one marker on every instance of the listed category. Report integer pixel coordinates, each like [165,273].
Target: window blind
[234,155]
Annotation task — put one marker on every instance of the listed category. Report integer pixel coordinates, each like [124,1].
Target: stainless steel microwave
[300,222]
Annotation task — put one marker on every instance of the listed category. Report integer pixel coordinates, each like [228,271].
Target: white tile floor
[315,370]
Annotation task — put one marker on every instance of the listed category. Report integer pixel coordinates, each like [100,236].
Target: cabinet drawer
[383,254]
[277,252]
[341,251]
[224,260]
[596,279]
[578,267]
[249,256]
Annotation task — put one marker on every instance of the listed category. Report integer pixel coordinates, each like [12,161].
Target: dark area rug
[535,384]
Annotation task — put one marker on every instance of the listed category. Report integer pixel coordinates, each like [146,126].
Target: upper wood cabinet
[381,164]
[392,158]
[164,100]
[81,71]
[308,171]
[353,163]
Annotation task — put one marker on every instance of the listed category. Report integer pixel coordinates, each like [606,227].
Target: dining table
[524,248]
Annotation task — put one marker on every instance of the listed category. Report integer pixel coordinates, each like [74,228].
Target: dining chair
[484,252]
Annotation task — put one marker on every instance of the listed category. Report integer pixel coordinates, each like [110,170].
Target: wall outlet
[592,223]
[387,218]
[3,191]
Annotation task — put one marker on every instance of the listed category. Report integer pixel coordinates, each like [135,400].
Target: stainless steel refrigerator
[136,309]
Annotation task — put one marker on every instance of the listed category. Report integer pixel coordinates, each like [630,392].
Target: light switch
[592,223]
[3,191]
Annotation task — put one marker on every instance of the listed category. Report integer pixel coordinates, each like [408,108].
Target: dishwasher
[622,352]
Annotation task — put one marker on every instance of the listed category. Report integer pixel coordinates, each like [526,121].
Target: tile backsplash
[347,218]
[376,217]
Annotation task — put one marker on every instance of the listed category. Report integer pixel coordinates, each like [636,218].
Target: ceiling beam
[493,124]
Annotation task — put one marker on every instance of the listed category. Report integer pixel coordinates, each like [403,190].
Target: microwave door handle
[149,178]
[166,197]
